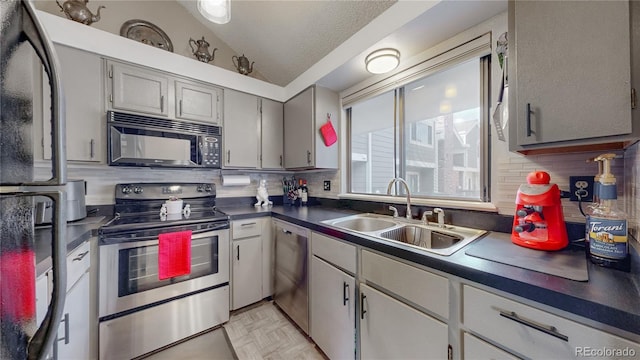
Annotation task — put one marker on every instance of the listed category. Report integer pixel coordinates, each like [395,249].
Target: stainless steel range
[139,310]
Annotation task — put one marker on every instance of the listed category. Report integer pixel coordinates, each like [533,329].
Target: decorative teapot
[77,10]
[242,64]
[201,50]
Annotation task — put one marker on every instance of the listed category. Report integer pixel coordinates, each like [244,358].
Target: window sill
[451,204]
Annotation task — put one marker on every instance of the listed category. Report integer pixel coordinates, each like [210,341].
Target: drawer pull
[248,224]
[80,256]
[548,329]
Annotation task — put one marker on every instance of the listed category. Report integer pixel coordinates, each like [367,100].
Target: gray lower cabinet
[332,310]
[272,134]
[304,115]
[134,88]
[75,330]
[389,329]
[198,102]
[81,74]
[246,271]
[569,82]
[240,133]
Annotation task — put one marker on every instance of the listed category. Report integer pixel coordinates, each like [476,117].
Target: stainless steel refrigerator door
[21,35]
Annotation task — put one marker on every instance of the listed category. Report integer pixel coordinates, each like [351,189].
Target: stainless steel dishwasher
[291,292]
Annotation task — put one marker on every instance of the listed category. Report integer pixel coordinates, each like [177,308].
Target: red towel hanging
[174,254]
[328,132]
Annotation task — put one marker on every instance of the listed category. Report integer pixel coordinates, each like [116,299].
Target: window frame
[446,62]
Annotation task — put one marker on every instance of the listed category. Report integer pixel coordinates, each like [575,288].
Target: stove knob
[126,190]
[199,188]
[207,188]
[138,190]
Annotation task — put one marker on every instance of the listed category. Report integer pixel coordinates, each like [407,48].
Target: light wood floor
[263,332]
[257,332]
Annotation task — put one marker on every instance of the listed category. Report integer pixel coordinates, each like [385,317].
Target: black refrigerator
[22,42]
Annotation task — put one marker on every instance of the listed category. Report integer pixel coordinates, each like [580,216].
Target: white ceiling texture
[286,38]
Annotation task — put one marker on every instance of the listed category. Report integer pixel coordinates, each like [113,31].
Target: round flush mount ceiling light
[382,61]
[216,11]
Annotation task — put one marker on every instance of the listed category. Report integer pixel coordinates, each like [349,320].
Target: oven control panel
[150,191]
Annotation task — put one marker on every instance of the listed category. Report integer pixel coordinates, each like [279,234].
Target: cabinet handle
[65,320]
[161,103]
[248,224]
[345,293]
[228,156]
[528,119]
[634,99]
[362,310]
[238,252]
[280,160]
[308,157]
[547,329]
[180,106]
[80,256]
[92,144]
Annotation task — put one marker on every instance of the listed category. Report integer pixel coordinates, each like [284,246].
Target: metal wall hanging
[77,10]
[146,33]
[242,64]
[200,49]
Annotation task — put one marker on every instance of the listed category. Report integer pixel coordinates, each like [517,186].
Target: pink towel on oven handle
[174,254]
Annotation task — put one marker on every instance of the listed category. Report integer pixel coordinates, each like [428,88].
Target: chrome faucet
[406,187]
[440,213]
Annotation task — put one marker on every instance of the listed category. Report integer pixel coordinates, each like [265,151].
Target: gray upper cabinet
[304,114]
[272,115]
[82,78]
[198,102]
[240,132]
[138,89]
[569,74]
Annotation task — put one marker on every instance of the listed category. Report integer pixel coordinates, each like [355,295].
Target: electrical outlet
[327,185]
[582,187]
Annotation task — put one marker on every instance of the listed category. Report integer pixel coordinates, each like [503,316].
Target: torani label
[607,237]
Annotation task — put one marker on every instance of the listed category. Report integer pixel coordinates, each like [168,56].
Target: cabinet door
[390,329]
[247,272]
[332,310]
[573,77]
[139,90]
[240,132]
[73,332]
[198,102]
[272,134]
[298,130]
[477,349]
[81,80]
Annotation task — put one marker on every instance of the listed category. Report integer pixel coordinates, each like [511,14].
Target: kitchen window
[431,131]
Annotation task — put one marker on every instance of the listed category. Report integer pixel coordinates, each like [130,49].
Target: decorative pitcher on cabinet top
[77,10]
[242,64]
[201,50]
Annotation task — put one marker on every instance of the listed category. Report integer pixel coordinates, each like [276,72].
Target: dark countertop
[610,297]
[77,233]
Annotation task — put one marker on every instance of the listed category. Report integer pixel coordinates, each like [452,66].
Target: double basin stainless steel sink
[430,237]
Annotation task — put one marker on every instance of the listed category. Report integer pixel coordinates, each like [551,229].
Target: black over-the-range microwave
[135,140]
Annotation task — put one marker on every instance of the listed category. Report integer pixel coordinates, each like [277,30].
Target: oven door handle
[196,232]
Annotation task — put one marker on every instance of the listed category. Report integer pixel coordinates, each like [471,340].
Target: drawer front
[421,287]
[334,251]
[241,229]
[475,348]
[78,262]
[532,332]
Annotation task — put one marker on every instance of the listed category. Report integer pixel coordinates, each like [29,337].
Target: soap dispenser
[606,226]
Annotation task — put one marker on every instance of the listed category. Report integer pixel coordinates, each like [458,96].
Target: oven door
[128,277]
